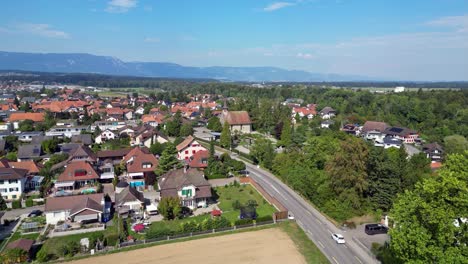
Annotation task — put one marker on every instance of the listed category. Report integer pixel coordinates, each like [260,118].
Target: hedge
[245,221]
[264,218]
[16,204]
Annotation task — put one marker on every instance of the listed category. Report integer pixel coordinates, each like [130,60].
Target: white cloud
[43,30]
[277,5]
[152,39]
[306,56]
[120,6]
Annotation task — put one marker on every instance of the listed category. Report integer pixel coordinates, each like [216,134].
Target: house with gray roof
[29,152]
[189,185]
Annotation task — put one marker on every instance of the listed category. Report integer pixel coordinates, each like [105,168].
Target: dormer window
[80,173]
[146,165]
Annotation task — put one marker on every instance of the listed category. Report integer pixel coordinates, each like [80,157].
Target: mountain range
[88,63]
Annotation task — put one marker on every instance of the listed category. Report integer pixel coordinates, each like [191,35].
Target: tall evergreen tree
[286,134]
[225,138]
[168,160]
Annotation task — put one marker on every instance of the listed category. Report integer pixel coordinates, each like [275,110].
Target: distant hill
[88,63]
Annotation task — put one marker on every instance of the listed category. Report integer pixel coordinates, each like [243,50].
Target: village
[91,166]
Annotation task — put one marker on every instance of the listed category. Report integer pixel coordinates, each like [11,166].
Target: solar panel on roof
[396,129]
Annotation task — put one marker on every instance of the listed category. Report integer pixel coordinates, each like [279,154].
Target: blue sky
[394,39]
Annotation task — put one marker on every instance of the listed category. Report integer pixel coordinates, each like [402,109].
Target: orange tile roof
[36,117]
[30,166]
[185,143]
[237,118]
[70,173]
[140,156]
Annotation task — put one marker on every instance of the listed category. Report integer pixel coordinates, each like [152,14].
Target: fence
[194,234]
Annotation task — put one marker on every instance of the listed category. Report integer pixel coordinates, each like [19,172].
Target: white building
[399,89]
[12,183]
[188,148]
[111,125]
[66,131]
[105,136]
[77,208]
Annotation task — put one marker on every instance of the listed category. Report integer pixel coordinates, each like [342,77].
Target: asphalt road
[314,224]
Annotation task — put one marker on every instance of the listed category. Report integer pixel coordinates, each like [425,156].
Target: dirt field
[265,246]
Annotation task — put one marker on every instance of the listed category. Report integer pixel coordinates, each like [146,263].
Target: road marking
[320,243]
[274,188]
[329,231]
[318,221]
[309,212]
[335,260]
[358,259]
[310,232]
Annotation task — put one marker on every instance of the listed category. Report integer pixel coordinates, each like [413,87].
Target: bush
[29,202]
[221,222]
[111,239]
[16,204]
[42,255]
[245,221]
[265,218]
[236,205]
[155,232]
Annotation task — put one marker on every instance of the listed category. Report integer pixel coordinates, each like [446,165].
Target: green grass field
[244,193]
[112,94]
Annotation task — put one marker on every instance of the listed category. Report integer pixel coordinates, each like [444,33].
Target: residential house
[116,113]
[407,135]
[147,138]
[84,139]
[66,131]
[106,170]
[78,208]
[105,136]
[16,118]
[12,183]
[373,130]
[239,121]
[128,200]
[76,175]
[23,244]
[188,148]
[327,113]
[28,136]
[111,125]
[199,160]
[152,120]
[351,129]
[115,156]
[128,114]
[434,152]
[308,112]
[29,152]
[140,165]
[390,142]
[189,185]
[326,123]
[140,110]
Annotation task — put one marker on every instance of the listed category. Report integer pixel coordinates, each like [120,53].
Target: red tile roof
[185,143]
[36,117]
[237,118]
[139,156]
[196,161]
[304,110]
[22,243]
[77,171]
[31,166]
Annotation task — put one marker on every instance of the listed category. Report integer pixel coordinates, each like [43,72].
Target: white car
[290,216]
[338,238]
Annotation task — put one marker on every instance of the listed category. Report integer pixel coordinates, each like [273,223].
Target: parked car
[35,213]
[373,229]
[338,238]
[290,216]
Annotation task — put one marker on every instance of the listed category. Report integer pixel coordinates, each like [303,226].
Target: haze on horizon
[400,40]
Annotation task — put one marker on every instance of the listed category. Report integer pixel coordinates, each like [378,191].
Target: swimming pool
[137,183]
[86,191]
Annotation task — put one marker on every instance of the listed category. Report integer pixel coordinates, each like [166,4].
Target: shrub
[155,232]
[16,204]
[236,205]
[111,239]
[42,255]
[265,218]
[221,222]
[245,221]
[29,202]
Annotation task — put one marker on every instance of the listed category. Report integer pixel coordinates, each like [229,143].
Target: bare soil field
[267,246]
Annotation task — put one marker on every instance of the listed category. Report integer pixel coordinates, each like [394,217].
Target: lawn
[228,195]
[112,94]
[307,248]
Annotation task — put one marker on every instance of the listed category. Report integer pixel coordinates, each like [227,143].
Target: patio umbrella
[139,227]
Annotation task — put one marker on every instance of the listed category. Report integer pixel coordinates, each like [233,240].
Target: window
[2,181]
[13,196]
[146,165]
[4,190]
[193,151]
[187,192]
[14,189]
[79,173]
[12,181]
[186,152]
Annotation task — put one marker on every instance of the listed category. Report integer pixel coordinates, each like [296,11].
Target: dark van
[373,229]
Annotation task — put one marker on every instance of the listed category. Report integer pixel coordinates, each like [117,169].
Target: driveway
[366,239]
[10,215]
[109,189]
[221,182]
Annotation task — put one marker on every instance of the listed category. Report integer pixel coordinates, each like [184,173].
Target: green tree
[225,138]
[50,146]
[168,160]
[11,156]
[186,130]
[157,148]
[455,144]
[286,134]
[3,205]
[214,124]
[428,228]
[14,255]
[26,126]
[169,207]
[263,152]
[348,173]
